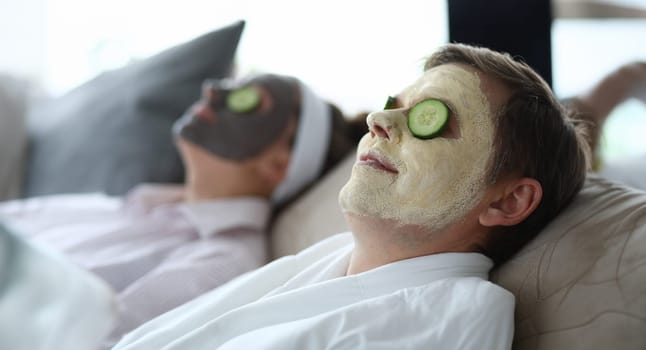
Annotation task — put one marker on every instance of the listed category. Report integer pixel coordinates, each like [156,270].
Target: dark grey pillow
[114,131]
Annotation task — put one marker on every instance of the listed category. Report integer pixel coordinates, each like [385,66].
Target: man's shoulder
[468,293]
[454,291]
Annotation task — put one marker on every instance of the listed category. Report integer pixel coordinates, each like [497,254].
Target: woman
[247,146]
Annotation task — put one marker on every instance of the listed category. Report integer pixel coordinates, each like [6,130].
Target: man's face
[433,182]
[236,135]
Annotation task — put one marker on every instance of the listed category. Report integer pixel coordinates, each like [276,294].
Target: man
[247,146]
[429,217]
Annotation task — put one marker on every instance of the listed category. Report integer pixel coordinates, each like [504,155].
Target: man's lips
[377,161]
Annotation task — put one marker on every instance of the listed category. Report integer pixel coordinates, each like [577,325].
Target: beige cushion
[580,285]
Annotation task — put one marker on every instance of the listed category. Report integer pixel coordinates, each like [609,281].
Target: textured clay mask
[430,183]
[211,124]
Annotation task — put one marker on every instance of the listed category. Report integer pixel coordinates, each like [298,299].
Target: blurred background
[355,53]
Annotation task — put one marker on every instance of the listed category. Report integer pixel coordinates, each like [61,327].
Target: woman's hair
[534,137]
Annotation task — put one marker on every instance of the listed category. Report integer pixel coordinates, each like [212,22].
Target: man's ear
[514,202]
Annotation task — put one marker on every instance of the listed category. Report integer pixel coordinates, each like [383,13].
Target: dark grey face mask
[239,136]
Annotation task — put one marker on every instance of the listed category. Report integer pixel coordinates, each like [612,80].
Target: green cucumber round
[243,100]
[428,118]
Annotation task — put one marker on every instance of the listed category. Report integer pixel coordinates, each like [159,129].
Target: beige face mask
[431,183]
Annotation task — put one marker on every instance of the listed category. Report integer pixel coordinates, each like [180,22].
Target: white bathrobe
[306,301]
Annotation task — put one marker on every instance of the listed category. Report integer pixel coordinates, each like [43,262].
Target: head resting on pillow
[267,135]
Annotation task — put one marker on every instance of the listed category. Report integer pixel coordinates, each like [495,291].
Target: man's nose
[384,124]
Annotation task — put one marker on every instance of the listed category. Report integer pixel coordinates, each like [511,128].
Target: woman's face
[213,126]
[432,182]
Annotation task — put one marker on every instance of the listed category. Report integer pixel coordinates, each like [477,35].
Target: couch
[581,284]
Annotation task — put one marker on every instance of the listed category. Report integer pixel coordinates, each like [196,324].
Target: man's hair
[534,137]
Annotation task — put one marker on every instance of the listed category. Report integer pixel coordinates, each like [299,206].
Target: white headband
[310,146]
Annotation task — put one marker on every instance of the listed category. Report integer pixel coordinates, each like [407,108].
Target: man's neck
[379,242]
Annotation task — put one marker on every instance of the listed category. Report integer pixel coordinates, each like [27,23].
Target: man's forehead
[446,77]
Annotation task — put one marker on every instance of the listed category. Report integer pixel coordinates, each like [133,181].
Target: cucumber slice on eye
[428,118]
[390,103]
[243,100]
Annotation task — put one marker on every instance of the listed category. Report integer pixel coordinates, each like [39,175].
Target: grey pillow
[114,131]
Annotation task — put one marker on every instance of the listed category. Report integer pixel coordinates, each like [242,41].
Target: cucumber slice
[243,100]
[428,118]
[390,103]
